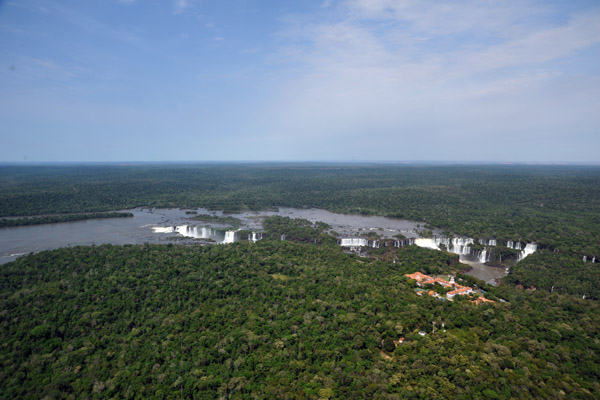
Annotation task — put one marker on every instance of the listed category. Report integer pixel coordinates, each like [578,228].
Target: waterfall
[593,260]
[229,237]
[530,248]
[584,258]
[460,246]
[187,231]
[161,229]
[254,236]
[484,256]
[195,232]
[353,242]
[427,243]
[375,244]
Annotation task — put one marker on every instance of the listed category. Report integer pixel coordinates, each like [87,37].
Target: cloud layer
[393,80]
[470,77]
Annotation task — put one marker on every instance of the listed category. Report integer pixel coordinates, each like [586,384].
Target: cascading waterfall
[198,233]
[484,256]
[462,247]
[187,231]
[427,243]
[229,237]
[489,242]
[530,248]
[353,242]
[513,245]
[254,236]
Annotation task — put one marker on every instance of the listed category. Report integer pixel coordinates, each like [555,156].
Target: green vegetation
[558,207]
[545,204]
[556,272]
[228,220]
[278,320]
[50,219]
[297,229]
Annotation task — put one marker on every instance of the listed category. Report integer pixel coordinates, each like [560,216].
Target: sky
[301,80]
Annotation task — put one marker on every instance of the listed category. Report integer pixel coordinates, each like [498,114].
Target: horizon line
[356,162]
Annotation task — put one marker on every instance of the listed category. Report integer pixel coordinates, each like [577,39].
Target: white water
[484,256]
[254,236]
[197,232]
[353,242]
[490,242]
[530,248]
[187,231]
[229,237]
[513,245]
[460,246]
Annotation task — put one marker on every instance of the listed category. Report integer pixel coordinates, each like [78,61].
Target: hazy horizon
[459,81]
[306,162]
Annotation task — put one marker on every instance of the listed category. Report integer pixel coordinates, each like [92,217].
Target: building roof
[426,279]
[480,300]
[464,290]
[417,276]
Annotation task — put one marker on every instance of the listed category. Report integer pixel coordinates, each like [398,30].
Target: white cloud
[469,69]
[180,6]
[543,45]
[446,16]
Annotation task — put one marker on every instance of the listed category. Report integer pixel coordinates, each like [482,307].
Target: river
[169,225]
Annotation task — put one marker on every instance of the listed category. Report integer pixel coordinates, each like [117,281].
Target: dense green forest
[50,219]
[297,229]
[279,320]
[225,220]
[558,207]
[532,203]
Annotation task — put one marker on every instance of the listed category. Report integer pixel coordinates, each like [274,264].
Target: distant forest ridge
[285,163]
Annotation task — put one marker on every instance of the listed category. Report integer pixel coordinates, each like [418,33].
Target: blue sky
[348,80]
